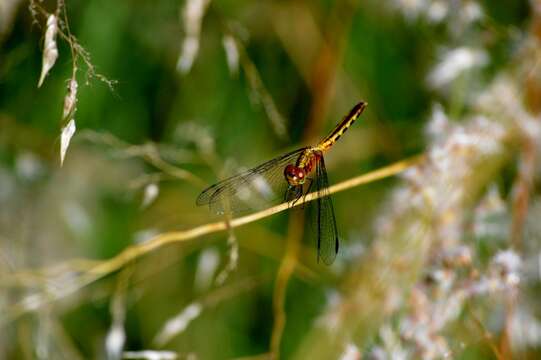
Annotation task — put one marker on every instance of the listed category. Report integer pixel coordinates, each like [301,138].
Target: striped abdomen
[342,127]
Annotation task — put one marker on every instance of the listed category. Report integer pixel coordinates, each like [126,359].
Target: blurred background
[159,99]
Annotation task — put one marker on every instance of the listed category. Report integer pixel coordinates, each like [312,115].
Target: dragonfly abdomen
[341,128]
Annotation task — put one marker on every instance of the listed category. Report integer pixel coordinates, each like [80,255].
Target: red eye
[294,175]
[290,171]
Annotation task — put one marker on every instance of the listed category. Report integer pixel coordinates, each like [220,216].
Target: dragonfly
[287,178]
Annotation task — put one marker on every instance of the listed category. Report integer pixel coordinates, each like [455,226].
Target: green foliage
[144,124]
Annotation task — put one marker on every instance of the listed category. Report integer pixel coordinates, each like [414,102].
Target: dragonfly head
[294,175]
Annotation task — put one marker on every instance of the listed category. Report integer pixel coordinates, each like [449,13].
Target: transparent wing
[253,189]
[321,216]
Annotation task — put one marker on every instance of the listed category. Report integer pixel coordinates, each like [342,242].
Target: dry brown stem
[100,269]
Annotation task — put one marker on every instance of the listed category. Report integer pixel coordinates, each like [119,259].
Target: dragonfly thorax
[296,174]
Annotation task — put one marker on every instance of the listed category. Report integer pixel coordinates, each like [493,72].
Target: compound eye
[293,174]
[290,171]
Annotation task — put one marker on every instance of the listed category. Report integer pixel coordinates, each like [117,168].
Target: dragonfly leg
[287,192]
[307,190]
[293,193]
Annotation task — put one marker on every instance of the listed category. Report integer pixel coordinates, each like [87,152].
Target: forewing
[253,189]
[323,217]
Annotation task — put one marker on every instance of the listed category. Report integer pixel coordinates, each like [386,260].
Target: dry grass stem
[100,269]
[287,266]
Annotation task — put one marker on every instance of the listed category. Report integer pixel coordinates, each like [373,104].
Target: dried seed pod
[65,138]
[50,50]
[70,100]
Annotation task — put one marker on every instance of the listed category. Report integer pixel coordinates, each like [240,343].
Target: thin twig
[210,300]
[179,173]
[521,190]
[260,92]
[523,183]
[134,252]
[487,336]
[149,152]
[287,266]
